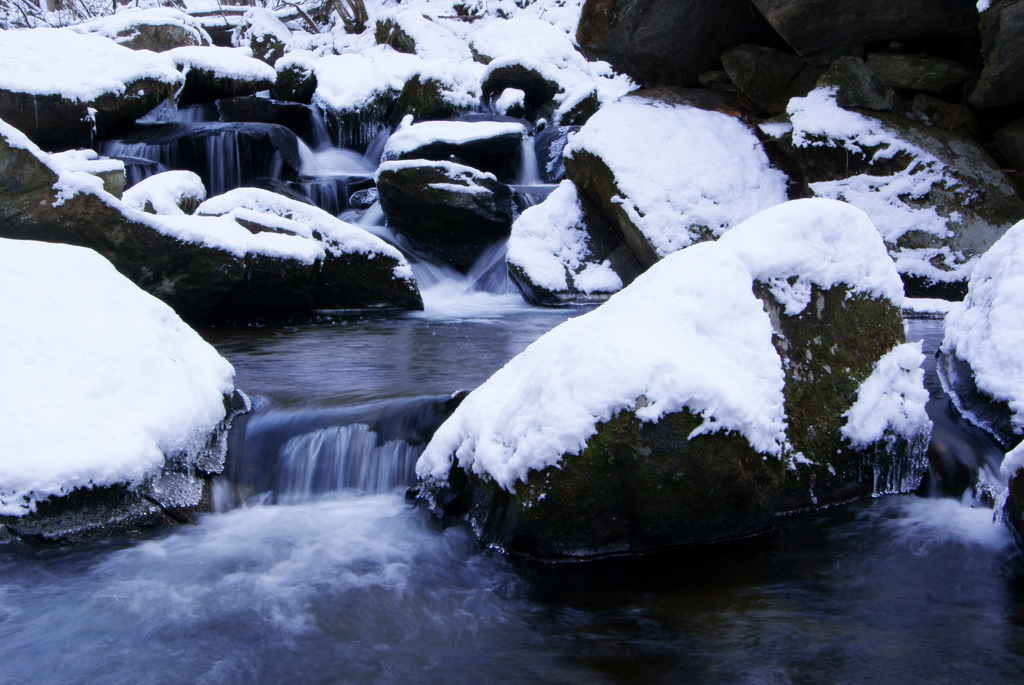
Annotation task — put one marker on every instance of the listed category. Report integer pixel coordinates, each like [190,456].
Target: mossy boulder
[388,32]
[296,82]
[451,211]
[424,99]
[155,29]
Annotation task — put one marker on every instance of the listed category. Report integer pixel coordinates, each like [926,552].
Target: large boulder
[677,412]
[116,413]
[767,76]
[212,73]
[666,175]
[491,146]
[61,87]
[920,72]
[263,33]
[156,28]
[938,200]
[562,252]
[203,266]
[821,30]
[662,42]
[981,364]
[451,211]
[1002,80]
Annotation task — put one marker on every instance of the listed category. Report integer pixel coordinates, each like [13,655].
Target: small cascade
[529,187]
[226,156]
[291,456]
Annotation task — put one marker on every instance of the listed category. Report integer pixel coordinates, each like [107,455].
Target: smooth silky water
[315,568]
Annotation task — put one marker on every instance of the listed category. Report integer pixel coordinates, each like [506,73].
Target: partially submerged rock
[449,210]
[981,364]
[170,192]
[682,411]
[142,403]
[78,85]
[666,176]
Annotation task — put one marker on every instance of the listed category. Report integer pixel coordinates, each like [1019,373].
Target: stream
[316,568]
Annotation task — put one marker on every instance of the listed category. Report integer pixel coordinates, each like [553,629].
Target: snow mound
[549,240]
[816,241]
[680,169]
[688,333]
[75,66]
[101,381]
[165,191]
[986,329]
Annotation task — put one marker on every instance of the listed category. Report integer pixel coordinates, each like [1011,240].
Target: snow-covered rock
[155,28]
[667,176]
[449,210]
[981,361]
[169,192]
[937,199]
[763,373]
[213,72]
[491,146]
[107,395]
[202,265]
[561,252]
[60,87]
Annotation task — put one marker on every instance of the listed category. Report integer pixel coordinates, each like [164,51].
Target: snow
[687,333]
[101,380]
[165,191]
[88,161]
[926,305]
[680,168]
[1012,462]
[323,229]
[818,121]
[457,172]
[408,139]
[74,65]
[820,242]
[549,240]
[509,98]
[986,329]
[892,399]
[232,63]
[128,18]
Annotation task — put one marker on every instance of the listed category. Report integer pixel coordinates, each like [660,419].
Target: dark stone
[550,142]
[821,30]
[295,83]
[363,199]
[956,119]
[856,85]
[496,154]
[424,100]
[1013,511]
[159,37]
[979,407]
[581,111]
[920,72]
[1001,82]
[203,85]
[665,42]
[453,225]
[762,74]
[296,117]
[388,32]
[537,87]
[1010,140]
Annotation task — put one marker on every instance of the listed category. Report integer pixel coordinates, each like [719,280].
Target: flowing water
[315,568]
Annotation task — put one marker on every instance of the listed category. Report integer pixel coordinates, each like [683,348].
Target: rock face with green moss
[823,405]
[452,211]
